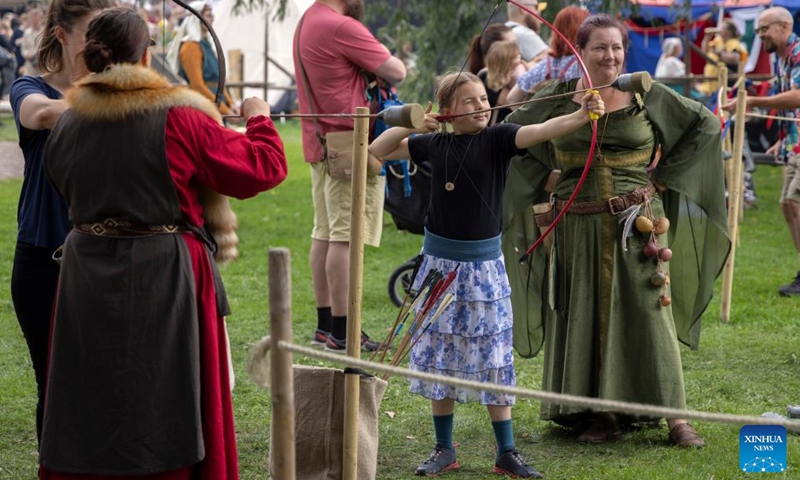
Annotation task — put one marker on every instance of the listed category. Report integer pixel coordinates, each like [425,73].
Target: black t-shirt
[477,165]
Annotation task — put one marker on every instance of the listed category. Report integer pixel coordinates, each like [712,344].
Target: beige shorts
[332,207]
[791,180]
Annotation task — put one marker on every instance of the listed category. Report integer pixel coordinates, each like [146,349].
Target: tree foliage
[440,31]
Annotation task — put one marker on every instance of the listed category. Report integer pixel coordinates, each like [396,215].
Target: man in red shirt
[332,49]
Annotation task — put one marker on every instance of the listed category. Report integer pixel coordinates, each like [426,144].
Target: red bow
[585,173]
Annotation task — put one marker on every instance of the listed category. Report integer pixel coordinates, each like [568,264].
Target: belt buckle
[611,205]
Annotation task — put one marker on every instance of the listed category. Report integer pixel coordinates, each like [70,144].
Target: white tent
[250,32]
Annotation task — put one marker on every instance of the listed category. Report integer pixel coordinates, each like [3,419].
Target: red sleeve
[202,152]
[356,43]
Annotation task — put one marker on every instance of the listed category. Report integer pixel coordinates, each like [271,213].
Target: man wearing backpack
[331,49]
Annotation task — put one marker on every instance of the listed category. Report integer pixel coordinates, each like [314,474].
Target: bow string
[592,146]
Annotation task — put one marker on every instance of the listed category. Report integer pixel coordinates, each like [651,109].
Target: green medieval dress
[591,302]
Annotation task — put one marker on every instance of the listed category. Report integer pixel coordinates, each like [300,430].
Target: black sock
[324,319]
[339,327]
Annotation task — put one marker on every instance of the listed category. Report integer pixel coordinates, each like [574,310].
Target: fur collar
[124,90]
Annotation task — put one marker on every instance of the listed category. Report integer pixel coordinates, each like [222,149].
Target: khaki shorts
[791,180]
[332,207]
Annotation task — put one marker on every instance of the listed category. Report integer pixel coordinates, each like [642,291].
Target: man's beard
[532,23]
[770,47]
[354,9]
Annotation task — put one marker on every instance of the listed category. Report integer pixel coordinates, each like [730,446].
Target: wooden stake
[357,207]
[281,371]
[236,60]
[722,75]
[740,166]
[734,199]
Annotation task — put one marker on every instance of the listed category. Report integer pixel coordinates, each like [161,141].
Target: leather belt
[117,227]
[613,205]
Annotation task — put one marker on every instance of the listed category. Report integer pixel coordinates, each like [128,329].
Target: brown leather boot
[683,435]
[604,428]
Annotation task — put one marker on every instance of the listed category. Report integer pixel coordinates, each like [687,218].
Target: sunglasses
[764,28]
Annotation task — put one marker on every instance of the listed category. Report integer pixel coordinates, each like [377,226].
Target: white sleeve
[530,43]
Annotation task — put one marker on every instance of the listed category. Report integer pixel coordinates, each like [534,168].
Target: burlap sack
[319,423]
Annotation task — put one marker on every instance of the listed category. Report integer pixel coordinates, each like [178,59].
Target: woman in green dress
[612,299]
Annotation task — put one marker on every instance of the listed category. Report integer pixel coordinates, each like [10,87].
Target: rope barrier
[560,398]
[773,117]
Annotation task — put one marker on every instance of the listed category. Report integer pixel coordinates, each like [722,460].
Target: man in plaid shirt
[775,30]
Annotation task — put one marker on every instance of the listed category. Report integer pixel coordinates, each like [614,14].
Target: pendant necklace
[450,186]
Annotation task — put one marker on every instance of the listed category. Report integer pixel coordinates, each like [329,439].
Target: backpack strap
[307,88]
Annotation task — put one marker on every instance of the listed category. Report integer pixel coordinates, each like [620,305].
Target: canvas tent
[252,32]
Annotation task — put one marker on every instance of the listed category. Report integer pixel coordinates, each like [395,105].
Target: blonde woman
[503,68]
[669,63]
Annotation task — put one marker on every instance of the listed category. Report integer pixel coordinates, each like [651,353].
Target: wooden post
[357,208]
[281,371]
[236,71]
[734,198]
[740,167]
[722,82]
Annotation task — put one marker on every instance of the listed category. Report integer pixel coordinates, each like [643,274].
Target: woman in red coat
[138,384]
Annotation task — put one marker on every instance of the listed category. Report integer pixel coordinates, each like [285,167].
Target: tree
[439,30]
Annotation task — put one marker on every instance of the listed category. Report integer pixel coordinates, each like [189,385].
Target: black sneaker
[512,465]
[440,460]
[791,289]
[320,338]
[340,346]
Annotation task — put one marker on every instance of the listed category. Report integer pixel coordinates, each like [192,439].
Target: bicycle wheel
[400,282]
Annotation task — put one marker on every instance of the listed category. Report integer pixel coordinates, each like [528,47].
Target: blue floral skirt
[472,338]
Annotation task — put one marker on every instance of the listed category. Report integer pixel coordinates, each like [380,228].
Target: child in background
[503,69]
[472,338]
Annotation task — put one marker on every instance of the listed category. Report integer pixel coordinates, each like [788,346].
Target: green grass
[8,131]
[747,366]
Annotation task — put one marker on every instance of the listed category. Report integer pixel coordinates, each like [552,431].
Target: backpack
[408,212]
[380,96]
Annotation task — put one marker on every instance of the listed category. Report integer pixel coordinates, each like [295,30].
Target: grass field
[747,366]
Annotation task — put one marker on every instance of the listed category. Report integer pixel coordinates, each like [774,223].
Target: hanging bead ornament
[661,226]
[652,227]
[650,249]
[644,224]
[659,279]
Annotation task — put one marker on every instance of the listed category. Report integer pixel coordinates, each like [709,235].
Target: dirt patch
[11,160]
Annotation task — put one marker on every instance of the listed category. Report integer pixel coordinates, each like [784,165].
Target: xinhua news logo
[762,448]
